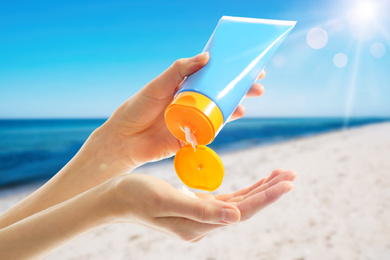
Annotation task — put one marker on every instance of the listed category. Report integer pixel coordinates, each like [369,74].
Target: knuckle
[202,213]
[178,63]
[159,201]
[156,200]
[270,197]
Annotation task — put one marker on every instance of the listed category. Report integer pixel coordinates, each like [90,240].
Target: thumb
[209,211]
[166,83]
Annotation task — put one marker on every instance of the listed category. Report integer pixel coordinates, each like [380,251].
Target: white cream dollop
[187,192]
[190,137]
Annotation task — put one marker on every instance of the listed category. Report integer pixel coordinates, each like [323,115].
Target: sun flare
[365,10]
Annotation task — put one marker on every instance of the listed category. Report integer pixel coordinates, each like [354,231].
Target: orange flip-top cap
[199,168]
[197,112]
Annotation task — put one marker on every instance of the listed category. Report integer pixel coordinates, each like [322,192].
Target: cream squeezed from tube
[190,137]
[186,191]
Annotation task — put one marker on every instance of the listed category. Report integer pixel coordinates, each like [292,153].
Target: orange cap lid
[197,112]
[200,168]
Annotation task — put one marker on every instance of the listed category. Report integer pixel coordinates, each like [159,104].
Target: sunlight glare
[361,19]
[350,98]
[340,60]
[365,10]
[378,50]
[317,38]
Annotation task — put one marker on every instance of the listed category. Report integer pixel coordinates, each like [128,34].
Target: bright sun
[365,10]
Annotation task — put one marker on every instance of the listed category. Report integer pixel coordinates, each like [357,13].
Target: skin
[96,183]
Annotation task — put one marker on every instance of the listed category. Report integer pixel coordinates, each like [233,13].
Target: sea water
[31,150]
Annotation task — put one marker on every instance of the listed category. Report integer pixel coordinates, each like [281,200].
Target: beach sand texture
[339,208]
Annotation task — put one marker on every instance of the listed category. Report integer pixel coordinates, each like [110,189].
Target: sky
[82,59]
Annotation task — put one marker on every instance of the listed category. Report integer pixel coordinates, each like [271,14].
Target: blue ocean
[32,150]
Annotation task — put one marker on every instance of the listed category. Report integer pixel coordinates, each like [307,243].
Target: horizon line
[247,117]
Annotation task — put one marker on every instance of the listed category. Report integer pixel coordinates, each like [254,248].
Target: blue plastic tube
[239,49]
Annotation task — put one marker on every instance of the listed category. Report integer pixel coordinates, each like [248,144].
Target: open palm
[156,204]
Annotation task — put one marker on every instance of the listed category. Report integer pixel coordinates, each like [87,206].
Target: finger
[253,204]
[240,195]
[238,113]
[181,143]
[166,83]
[205,210]
[255,91]
[284,176]
[262,75]
[273,174]
[237,199]
[265,180]
[226,197]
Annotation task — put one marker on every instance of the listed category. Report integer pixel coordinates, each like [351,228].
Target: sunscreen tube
[239,48]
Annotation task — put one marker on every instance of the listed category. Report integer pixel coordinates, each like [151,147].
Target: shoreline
[33,150]
[29,186]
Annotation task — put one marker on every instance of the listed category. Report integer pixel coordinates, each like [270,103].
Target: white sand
[339,208]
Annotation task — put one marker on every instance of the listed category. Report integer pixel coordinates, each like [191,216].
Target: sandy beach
[339,208]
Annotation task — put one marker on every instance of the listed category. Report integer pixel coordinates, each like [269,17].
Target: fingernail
[201,56]
[229,216]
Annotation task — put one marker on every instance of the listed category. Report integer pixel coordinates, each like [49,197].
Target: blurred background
[66,66]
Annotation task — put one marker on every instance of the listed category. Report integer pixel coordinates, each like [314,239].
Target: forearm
[93,165]
[37,235]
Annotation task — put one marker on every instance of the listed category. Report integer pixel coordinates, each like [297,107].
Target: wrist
[110,149]
[100,158]
[107,202]
[118,198]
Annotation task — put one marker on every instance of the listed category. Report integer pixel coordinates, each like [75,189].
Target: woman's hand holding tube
[135,134]
[80,198]
[138,126]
